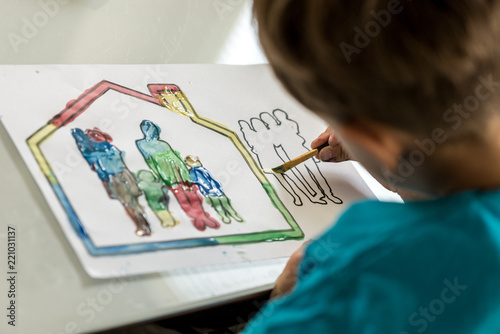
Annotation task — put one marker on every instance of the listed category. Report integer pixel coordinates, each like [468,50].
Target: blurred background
[128,32]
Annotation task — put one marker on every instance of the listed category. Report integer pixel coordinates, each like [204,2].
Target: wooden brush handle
[301,158]
[310,154]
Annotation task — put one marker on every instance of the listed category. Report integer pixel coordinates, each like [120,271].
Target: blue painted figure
[107,161]
[211,189]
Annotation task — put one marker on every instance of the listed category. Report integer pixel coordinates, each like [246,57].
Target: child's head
[416,71]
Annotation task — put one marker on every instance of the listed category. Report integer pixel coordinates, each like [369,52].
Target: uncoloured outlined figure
[275,139]
[212,190]
[156,193]
[169,167]
[107,161]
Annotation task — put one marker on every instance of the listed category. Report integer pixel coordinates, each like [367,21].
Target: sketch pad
[232,120]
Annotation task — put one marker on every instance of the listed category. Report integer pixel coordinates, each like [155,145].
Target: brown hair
[401,63]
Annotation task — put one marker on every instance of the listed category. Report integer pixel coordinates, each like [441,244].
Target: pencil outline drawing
[274,138]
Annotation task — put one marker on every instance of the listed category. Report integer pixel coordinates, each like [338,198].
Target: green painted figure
[157,197]
[169,168]
[161,158]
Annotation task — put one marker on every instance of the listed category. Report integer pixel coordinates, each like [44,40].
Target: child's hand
[332,153]
[288,279]
[335,153]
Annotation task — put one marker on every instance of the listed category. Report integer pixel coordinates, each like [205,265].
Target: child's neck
[473,165]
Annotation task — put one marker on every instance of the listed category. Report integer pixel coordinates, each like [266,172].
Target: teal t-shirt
[420,267]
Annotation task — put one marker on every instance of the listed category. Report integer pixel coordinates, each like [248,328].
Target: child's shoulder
[447,235]
[405,258]
[468,209]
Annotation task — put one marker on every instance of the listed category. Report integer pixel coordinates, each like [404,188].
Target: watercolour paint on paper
[148,154]
[165,171]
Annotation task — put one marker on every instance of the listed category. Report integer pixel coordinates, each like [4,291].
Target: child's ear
[380,141]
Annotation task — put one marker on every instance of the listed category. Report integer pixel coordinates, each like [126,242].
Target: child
[412,91]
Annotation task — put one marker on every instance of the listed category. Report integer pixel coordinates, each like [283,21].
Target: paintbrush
[294,162]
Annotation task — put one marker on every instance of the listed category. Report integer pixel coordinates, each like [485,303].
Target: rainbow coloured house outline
[171,97]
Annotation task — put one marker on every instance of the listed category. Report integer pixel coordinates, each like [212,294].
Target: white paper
[204,284]
[244,99]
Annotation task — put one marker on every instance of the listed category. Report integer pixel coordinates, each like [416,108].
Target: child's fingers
[332,153]
[328,136]
[322,138]
[288,279]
